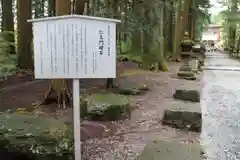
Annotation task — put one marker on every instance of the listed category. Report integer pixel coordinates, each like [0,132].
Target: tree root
[58,93]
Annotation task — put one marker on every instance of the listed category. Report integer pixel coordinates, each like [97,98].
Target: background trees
[150,32]
[229,18]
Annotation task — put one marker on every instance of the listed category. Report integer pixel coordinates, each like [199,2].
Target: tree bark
[7,15]
[182,22]
[38,9]
[80,4]
[51,8]
[25,36]
[178,7]
[63,7]
[59,91]
[8,24]
[233,27]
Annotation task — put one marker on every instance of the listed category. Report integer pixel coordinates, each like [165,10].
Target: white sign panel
[74,47]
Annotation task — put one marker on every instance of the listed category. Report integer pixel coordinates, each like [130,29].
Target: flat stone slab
[187,95]
[107,107]
[188,75]
[183,115]
[128,87]
[171,150]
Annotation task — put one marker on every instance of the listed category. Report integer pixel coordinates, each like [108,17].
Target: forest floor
[123,139]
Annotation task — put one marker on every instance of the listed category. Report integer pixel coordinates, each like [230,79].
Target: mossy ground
[35,136]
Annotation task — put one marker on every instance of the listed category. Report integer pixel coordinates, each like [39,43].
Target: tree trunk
[8,24]
[7,15]
[51,8]
[182,18]
[161,60]
[137,33]
[38,9]
[178,7]
[25,36]
[169,27]
[232,30]
[80,4]
[63,7]
[59,90]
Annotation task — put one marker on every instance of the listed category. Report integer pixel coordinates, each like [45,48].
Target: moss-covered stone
[199,48]
[130,57]
[186,55]
[170,150]
[187,95]
[189,78]
[193,63]
[132,72]
[131,88]
[184,74]
[184,116]
[196,49]
[35,137]
[108,106]
[185,68]
[187,44]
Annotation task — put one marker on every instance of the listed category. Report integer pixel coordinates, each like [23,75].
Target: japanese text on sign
[101,42]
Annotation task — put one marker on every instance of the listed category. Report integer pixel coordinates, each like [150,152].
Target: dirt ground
[114,140]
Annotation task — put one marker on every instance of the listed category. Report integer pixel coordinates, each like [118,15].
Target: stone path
[220,103]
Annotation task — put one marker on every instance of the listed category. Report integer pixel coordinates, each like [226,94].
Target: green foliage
[35,136]
[124,47]
[7,59]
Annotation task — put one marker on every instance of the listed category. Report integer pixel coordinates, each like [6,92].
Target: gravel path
[145,124]
[221,108]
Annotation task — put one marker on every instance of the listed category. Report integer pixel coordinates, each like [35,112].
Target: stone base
[187,95]
[182,115]
[185,68]
[193,63]
[131,88]
[185,74]
[171,150]
[107,107]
